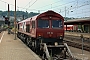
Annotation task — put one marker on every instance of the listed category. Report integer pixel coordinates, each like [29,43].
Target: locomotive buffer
[55,52]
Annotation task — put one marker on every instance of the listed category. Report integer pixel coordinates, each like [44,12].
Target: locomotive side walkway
[11,49]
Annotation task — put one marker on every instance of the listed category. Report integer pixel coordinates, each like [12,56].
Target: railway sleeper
[78,45]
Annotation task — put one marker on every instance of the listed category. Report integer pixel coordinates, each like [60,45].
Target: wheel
[27,41]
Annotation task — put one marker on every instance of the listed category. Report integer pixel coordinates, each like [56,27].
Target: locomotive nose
[50,34]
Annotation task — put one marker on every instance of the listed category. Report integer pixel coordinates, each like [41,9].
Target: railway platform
[11,49]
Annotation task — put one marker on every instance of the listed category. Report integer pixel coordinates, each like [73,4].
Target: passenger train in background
[47,27]
[70,27]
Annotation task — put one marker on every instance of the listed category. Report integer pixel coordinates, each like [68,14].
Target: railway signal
[6,20]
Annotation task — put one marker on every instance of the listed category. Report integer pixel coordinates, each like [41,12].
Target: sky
[68,8]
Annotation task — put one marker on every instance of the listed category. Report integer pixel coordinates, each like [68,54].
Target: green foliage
[18,13]
[32,14]
[5,26]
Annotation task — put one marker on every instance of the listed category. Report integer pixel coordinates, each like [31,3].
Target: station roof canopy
[78,21]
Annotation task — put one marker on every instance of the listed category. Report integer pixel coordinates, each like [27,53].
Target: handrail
[46,50]
[69,52]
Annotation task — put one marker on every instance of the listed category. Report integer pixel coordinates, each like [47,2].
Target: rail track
[52,52]
[76,41]
[73,41]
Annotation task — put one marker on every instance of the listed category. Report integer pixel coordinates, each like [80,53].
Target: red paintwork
[43,32]
[70,27]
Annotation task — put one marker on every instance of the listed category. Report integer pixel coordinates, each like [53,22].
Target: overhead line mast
[15,20]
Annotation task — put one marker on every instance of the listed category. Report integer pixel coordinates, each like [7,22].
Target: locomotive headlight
[61,37]
[56,43]
[39,35]
[50,17]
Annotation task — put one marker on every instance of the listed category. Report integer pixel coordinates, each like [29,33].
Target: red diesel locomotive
[47,27]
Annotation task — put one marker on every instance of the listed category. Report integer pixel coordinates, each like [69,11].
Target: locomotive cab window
[33,24]
[57,24]
[28,28]
[43,23]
